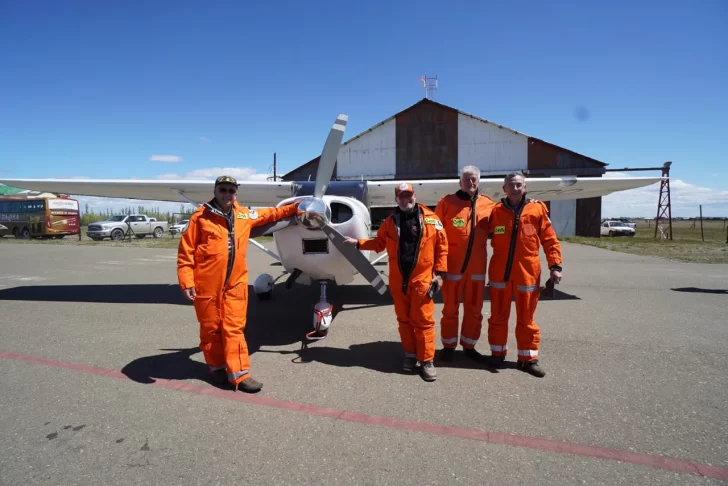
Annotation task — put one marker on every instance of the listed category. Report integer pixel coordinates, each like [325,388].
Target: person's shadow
[175,365]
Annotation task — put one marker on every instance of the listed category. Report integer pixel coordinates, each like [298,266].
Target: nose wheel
[322,317]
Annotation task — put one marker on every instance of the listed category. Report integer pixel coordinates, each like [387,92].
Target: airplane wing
[250,193]
[429,192]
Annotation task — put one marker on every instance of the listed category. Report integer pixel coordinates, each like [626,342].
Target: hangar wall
[489,147]
[372,155]
[429,140]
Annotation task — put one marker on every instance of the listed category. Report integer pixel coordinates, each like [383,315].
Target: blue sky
[97,89]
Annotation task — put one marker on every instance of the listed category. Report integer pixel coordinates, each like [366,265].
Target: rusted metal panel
[370,155]
[588,216]
[427,142]
[548,157]
[306,172]
[491,148]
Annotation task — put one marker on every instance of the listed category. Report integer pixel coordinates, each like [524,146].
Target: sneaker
[249,385]
[409,364]
[428,371]
[447,354]
[532,368]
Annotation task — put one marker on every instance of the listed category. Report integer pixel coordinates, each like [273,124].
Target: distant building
[430,140]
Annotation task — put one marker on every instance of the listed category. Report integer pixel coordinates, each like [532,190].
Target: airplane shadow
[701,291]
[107,294]
[288,316]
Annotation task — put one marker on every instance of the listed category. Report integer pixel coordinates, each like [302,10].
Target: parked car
[179,227]
[117,227]
[616,228]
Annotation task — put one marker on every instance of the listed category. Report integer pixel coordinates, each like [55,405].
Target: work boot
[249,385]
[447,354]
[428,371]
[497,362]
[474,355]
[409,364]
[531,367]
[218,377]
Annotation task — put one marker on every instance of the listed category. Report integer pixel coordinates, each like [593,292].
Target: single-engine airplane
[311,245]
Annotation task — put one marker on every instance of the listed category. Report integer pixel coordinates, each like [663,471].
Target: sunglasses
[225,190]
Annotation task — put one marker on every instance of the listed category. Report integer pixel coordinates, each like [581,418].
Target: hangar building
[429,140]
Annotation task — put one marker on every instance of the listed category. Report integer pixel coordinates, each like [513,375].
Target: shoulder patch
[253,214]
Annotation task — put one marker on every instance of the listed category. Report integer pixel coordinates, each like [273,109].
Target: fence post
[702,237]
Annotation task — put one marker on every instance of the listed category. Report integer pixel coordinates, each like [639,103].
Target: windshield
[619,224]
[116,218]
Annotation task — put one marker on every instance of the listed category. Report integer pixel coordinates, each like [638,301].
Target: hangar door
[563,217]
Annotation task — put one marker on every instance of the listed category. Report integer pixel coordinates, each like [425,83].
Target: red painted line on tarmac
[548,445]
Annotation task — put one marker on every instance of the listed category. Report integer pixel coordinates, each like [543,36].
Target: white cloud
[212,173]
[685,200]
[170,159]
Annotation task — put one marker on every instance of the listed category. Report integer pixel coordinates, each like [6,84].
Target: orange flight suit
[221,285]
[467,255]
[413,307]
[515,268]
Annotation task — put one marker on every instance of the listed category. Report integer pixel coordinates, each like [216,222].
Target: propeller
[316,214]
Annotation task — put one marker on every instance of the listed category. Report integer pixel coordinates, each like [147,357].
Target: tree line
[93,216]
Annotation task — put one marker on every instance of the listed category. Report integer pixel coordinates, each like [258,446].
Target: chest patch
[458,222]
[529,229]
[436,222]
[242,216]
[499,230]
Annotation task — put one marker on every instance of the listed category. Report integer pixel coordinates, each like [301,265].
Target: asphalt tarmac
[103,383]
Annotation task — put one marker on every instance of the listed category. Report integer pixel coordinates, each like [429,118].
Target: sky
[192,90]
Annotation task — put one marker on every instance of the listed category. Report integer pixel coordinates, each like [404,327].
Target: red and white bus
[39,217]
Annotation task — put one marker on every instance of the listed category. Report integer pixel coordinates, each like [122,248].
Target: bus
[39,217]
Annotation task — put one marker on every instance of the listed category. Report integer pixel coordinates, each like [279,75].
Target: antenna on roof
[430,85]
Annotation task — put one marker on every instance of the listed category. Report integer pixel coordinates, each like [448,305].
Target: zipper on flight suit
[472,234]
[514,233]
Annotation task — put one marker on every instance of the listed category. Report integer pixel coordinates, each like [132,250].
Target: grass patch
[166,241]
[686,245]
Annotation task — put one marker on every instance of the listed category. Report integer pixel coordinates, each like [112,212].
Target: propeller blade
[356,258]
[270,228]
[329,155]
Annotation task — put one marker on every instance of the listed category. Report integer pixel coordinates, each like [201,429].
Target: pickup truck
[117,227]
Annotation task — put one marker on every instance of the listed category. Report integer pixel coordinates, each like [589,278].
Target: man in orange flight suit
[464,215]
[417,252]
[212,272]
[517,225]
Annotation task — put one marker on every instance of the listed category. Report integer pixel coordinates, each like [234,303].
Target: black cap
[226,180]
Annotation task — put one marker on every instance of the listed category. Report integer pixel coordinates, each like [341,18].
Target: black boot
[531,367]
[447,354]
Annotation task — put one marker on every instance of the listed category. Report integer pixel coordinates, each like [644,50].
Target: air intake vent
[315,246]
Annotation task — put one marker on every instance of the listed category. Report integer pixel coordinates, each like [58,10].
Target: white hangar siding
[372,155]
[490,148]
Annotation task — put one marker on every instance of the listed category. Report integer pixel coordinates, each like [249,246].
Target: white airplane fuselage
[310,251]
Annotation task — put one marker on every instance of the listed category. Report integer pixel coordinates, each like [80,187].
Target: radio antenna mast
[430,85]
